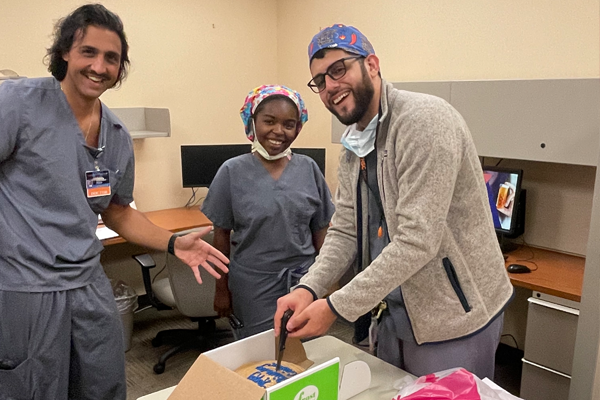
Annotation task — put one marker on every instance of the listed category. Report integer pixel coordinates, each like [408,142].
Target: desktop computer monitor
[506,200]
[318,155]
[200,163]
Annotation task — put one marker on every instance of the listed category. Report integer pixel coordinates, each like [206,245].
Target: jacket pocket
[451,273]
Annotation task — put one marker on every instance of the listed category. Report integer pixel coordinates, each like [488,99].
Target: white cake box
[212,377]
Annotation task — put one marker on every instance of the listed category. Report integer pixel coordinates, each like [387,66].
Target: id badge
[97,183]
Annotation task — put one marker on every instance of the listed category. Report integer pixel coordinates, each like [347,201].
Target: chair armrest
[147,262]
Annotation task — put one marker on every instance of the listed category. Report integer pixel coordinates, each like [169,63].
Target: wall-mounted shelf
[6,74]
[143,122]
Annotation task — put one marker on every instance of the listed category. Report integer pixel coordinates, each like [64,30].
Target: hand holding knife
[283,336]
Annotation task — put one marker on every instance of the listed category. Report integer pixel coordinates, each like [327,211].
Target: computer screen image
[200,163]
[506,199]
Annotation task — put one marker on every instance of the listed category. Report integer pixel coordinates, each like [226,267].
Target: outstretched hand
[195,252]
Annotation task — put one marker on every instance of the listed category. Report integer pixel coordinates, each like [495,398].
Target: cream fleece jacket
[443,251]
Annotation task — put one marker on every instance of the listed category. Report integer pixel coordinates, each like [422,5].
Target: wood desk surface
[173,219]
[557,274]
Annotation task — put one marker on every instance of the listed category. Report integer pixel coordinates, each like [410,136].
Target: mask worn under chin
[256,146]
[361,143]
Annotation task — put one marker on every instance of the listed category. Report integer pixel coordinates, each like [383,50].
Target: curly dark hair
[66,30]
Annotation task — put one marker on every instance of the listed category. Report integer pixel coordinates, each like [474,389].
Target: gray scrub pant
[475,353]
[62,345]
[255,292]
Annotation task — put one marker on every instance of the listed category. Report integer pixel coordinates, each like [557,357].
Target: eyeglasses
[335,71]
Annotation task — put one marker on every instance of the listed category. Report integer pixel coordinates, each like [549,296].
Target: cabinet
[549,347]
[552,316]
[550,120]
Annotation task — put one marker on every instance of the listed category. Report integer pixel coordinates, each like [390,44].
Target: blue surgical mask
[361,143]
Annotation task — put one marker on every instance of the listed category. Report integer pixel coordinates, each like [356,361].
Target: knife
[283,336]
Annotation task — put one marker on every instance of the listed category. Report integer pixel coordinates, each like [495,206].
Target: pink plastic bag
[457,385]
[452,384]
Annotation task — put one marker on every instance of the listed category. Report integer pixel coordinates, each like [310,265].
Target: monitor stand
[506,246]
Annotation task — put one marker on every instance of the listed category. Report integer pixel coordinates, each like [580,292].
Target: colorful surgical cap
[256,96]
[342,37]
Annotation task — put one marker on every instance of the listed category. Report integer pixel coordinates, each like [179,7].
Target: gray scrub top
[272,221]
[48,240]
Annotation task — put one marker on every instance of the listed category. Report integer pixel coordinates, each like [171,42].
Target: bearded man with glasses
[411,217]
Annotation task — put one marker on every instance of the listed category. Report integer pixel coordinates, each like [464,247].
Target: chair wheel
[156,342]
[159,368]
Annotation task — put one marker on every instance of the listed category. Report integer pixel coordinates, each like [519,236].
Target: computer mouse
[518,269]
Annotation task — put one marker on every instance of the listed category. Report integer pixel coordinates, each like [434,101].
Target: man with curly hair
[64,159]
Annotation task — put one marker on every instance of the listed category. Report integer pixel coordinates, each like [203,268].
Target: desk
[383,375]
[551,328]
[173,219]
[558,274]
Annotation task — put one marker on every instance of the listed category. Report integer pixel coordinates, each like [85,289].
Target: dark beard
[363,95]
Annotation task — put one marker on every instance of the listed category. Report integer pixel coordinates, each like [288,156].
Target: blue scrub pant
[475,353]
[62,345]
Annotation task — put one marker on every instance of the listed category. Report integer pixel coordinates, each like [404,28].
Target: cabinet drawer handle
[554,306]
[545,368]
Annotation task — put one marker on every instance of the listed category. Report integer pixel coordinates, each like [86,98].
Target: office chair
[179,290]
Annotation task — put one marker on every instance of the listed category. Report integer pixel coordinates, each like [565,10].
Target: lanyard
[370,163]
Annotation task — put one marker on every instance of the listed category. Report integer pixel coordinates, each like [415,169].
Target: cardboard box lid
[224,384]
[294,352]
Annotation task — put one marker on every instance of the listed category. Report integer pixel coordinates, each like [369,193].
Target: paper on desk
[105,233]
[102,232]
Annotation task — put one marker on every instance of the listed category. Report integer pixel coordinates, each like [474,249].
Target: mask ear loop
[253,130]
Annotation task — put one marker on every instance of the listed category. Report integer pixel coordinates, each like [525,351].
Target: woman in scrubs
[270,209]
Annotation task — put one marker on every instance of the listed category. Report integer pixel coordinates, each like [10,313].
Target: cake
[263,373]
